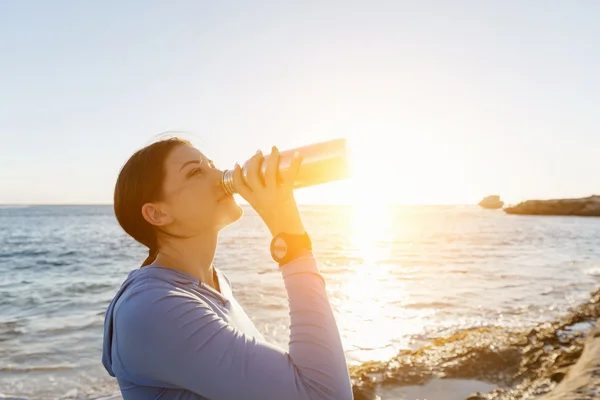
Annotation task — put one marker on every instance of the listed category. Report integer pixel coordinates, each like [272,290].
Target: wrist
[290,229]
[289,222]
[287,247]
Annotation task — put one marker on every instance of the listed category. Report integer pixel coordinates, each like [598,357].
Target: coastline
[546,360]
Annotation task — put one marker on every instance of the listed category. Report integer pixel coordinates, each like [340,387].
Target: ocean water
[396,276]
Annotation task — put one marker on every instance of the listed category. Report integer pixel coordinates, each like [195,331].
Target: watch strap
[296,245]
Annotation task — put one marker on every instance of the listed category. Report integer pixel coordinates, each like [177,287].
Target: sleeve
[178,341]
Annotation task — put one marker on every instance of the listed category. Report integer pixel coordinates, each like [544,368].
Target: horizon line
[241,204]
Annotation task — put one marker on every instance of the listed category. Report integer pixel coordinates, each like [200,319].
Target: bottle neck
[227,182]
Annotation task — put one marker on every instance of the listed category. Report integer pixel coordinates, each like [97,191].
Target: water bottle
[321,163]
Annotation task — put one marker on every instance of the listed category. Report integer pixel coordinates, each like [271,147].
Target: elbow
[337,386]
[342,392]
[345,388]
[346,394]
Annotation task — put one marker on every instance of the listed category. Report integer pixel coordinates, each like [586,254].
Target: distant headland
[587,206]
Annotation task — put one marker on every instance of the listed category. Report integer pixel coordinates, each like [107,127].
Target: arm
[177,341]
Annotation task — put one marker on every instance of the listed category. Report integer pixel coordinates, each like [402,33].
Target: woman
[174,330]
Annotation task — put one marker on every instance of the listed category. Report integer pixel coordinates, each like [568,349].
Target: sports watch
[286,246]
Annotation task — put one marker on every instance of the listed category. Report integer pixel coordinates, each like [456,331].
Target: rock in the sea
[588,206]
[492,202]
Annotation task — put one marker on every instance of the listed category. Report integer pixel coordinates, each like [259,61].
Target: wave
[87,288]
[595,271]
[430,304]
[72,395]
[24,253]
[35,369]
[52,263]
[112,396]
[10,330]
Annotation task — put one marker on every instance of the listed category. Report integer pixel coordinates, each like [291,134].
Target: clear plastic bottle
[321,163]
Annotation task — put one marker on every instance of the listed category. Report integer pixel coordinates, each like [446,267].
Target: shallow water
[396,277]
[437,389]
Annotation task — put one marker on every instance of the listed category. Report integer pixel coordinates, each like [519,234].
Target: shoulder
[149,302]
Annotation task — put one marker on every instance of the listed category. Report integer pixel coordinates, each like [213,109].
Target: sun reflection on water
[371,295]
[371,232]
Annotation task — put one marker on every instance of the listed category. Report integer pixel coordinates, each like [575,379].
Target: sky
[442,102]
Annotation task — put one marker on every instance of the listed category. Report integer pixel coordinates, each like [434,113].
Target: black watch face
[279,248]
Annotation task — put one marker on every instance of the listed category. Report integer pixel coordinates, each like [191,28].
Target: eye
[196,171]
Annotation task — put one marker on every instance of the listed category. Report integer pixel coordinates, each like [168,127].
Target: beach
[467,301]
[553,360]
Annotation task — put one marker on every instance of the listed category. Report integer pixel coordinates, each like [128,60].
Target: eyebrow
[194,162]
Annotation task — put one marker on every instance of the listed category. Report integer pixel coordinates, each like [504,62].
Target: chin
[232,213]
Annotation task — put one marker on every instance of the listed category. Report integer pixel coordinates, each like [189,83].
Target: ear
[155,215]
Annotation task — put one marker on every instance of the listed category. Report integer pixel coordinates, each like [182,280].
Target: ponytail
[152,253]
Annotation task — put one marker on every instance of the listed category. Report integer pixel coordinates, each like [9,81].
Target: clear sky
[444,102]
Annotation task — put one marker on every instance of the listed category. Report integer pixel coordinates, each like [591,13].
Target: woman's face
[194,201]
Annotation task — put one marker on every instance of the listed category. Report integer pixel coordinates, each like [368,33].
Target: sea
[397,277]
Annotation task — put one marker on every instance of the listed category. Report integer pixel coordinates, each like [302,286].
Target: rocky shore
[583,379]
[525,364]
[587,206]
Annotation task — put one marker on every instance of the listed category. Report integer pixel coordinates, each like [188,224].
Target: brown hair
[140,181]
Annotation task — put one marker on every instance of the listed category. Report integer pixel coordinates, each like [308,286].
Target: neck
[193,255]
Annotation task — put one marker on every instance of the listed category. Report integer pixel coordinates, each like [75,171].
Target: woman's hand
[272,198]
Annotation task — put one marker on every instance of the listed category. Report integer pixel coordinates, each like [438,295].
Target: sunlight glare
[373,332]
[371,232]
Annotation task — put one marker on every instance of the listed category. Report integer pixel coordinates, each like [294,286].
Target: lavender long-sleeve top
[169,336]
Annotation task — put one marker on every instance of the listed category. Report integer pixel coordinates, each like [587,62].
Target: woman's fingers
[272,167]
[239,184]
[252,172]
[292,173]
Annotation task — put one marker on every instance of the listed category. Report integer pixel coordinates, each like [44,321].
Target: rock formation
[588,206]
[524,363]
[491,202]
